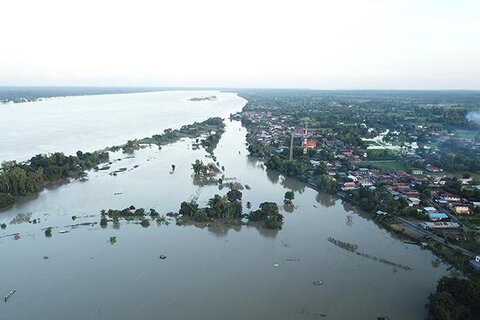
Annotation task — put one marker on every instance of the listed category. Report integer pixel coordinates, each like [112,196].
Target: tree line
[21,179]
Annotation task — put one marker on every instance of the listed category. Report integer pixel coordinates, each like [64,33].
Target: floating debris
[117,193]
[21,218]
[9,295]
[285,243]
[353,248]
[46,257]
[344,245]
[63,231]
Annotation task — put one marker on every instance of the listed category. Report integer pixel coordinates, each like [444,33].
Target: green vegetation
[6,199]
[455,299]
[48,232]
[326,183]
[201,169]
[378,199]
[213,128]
[289,196]
[454,156]
[3,226]
[210,98]
[21,179]
[472,221]
[145,223]
[103,222]
[234,195]
[268,214]
[130,213]
[386,165]
[219,207]
[433,133]
[198,167]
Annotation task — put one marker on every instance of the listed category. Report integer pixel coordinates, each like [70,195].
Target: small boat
[63,231]
[163,257]
[317,283]
[9,295]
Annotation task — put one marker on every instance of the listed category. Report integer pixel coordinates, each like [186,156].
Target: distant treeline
[24,94]
[21,179]
[468,97]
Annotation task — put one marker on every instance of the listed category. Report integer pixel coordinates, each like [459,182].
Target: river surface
[90,123]
[211,272]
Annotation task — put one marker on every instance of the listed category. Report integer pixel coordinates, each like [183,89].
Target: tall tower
[291,147]
[305,144]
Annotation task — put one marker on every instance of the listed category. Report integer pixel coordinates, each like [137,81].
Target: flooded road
[210,272]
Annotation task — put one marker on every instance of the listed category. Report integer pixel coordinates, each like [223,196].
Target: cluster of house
[273,131]
[403,185]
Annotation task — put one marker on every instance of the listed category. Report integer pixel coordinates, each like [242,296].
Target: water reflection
[273,176]
[267,233]
[349,221]
[292,184]
[252,162]
[200,261]
[348,207]
[288,208]
[222,228]
[325,199]
[201,181]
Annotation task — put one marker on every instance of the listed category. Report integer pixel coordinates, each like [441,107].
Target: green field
[471,221]
[386,165]
[466,134]
[474,175]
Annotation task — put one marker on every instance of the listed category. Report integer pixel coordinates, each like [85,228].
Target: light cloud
[385,44]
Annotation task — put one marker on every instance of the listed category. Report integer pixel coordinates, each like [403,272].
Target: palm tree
[198,167]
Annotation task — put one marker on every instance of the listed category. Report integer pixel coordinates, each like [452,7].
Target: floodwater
[90,123]
[211,272]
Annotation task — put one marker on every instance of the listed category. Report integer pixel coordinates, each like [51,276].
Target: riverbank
[21,180]
[280,265]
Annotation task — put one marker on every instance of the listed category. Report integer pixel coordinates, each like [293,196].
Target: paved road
[433,236]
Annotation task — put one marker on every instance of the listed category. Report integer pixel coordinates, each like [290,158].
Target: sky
[341,44]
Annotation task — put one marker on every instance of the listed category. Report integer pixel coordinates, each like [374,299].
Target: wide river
[89,123]
[211,272]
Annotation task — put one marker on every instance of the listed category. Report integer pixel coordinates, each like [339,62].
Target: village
[402,191]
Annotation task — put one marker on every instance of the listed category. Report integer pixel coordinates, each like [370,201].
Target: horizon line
[231,88]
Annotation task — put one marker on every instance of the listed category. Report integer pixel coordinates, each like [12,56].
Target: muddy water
[210,272]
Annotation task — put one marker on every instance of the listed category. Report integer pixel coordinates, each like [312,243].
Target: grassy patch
[466,134]
[470,221]
[386,165]
[473,174]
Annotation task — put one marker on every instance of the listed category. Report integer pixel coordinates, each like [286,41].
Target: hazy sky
[381,44]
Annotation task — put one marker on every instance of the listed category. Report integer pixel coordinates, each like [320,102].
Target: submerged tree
[289,196]
[198,167]
[269,214]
